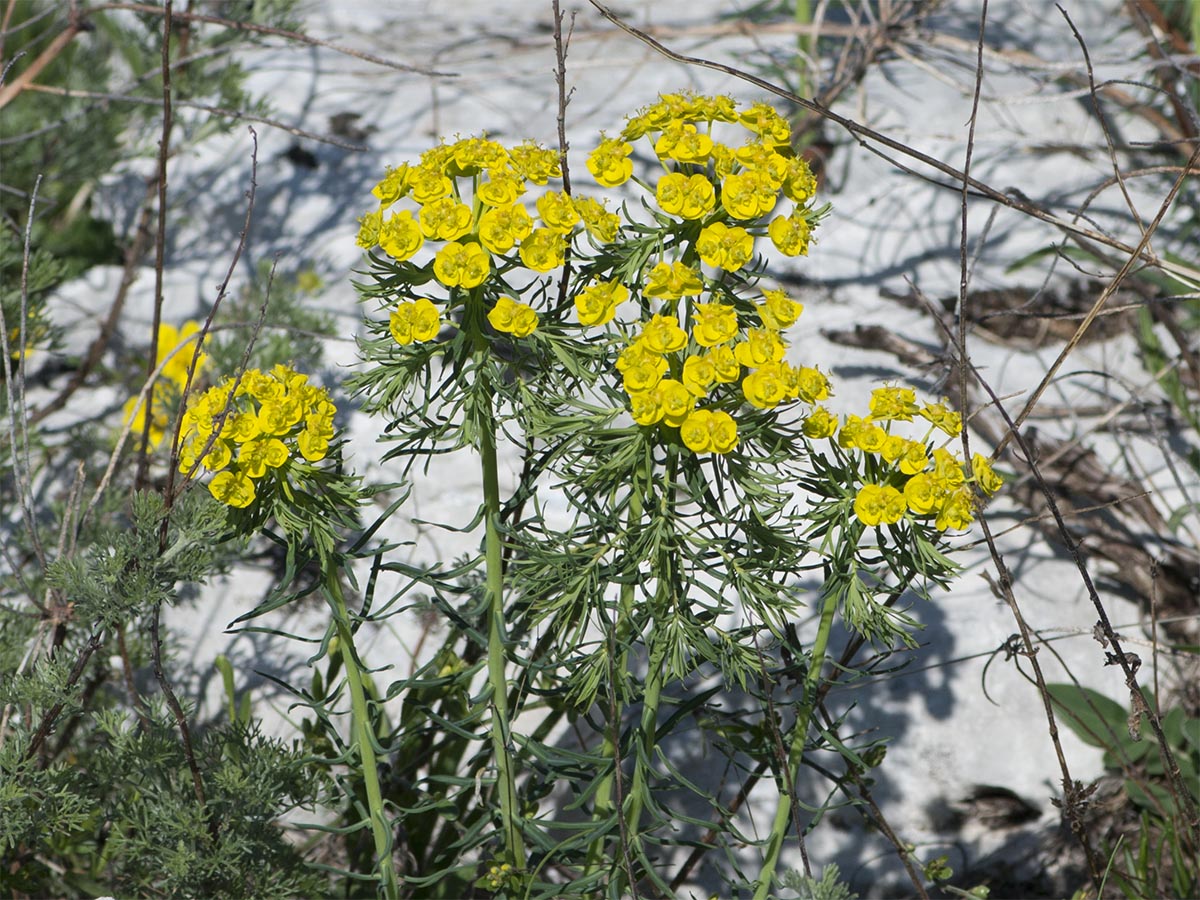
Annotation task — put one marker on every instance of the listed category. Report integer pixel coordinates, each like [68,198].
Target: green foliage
[827,887]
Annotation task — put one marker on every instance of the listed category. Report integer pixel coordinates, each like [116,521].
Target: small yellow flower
[445,219]
[670,281]
[941,416]
[401,237]
[705,431]
[597,303]
[714,323]
[898,403]
[791,234]
[689,197]
[778,310]
[699,374]
[395,184]
[920,494]
[601,224]
[662,334]
[510,317]
[368,229]
[879,505]
[557,212]
[761,346]
[725,362]
[724,247]
[820,423]
[501,227]
[609,163]
[232,488]
[543,250]
[956,511]
[981,468]
[462,265]
[502,188]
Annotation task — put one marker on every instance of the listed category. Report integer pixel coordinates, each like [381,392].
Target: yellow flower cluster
[253,427]
[469,198]
[914,481]
[174,346]
[667,371]
[728,188]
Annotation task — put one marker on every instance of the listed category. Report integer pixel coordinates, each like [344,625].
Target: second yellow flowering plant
[626,342]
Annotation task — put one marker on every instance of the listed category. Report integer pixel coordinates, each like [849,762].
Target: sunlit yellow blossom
[517,319]
[676,401]
[662,334]
[705,431]
[850,431]
[609,163]
[415,321]
[601,224]
[445,219]
[557,212]
[799,183]
[501,227]
[723,161]
[502,187]
[725,363]
[257,456]
[536,164]
[368,229]
[764,159]
[941,416]
[429,184]
[400,237]
[724,247]
[813,384]
[681,142]
[765,121]
[686,196]
[920,494]
[160,401]
[893,447]
[470,156]
[981,468]
[242,427]
[699,374]
[778,310]
[879,505]
[670,281]
[748,195]
[761,346]
[543,250]
[313,447]
[176,350]
[820,423]
[870,438]
[889,402]
[218,457]
[597,303]
[947,468]
[393,186]
[645,408]
[764,387]
[914,459]
[641,369]
[956,511]
[713,323]
[790,234]
[462,265]
[232,488]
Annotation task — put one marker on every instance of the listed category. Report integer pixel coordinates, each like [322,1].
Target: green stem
[783,812]
[510,813]
[361,730]
[611,748]
[804,43]
[649,733]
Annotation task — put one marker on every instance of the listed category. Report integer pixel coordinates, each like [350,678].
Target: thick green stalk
[649,729]
[361,733]
[510,813]
[783,812]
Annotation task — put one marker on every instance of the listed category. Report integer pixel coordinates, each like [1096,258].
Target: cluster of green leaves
[1157,861]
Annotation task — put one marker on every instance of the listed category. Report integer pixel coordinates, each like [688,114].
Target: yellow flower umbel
[251,431]
[907,478]
[176,349]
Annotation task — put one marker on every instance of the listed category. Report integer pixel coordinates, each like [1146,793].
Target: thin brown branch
[47,56]
[270,31]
